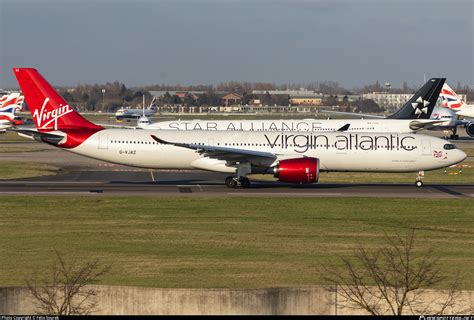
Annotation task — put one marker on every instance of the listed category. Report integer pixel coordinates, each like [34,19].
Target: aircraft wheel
[419,183]
[230,182]
[454,137]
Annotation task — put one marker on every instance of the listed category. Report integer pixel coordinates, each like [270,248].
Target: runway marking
[192,185]
[185,190]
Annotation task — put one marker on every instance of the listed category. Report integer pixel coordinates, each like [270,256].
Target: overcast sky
[138,42]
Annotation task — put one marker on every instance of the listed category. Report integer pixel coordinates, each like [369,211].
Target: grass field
[8,137]
[11,142]
[20,169]
[239,243]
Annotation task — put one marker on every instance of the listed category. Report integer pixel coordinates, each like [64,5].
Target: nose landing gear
[419,179]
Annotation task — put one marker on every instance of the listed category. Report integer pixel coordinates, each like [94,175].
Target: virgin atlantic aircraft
[293,157]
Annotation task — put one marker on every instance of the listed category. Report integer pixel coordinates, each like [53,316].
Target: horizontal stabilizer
[416,125]
[46,137]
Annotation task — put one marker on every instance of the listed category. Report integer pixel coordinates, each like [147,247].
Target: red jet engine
[300,170]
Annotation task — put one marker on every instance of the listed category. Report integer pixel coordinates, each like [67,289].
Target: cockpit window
[449,146]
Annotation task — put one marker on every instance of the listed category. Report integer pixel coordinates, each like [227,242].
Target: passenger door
[426,147]
[103,141]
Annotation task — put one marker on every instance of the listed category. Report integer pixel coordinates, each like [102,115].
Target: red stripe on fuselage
[75,137]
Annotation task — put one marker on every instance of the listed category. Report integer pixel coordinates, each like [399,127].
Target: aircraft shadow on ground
[187,182]
[259,185]
[267,185]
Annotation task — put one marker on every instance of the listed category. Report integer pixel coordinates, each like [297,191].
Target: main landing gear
[243,169]
[234,182]
[454,136]
[419,179]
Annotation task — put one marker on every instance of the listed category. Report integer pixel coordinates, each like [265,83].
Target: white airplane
[9,104]
[454,105]
[413,116]
[293,157]
[123,113]
[452,101]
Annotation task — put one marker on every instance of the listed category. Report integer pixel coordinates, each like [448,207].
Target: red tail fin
[47,107]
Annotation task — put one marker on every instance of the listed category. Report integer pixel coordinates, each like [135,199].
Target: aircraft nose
[459,155]
[463,155]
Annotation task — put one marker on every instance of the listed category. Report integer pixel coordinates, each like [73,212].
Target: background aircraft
[9,104]
[413,116]
[451,107]
[457,108]
[453,102]
[130,113]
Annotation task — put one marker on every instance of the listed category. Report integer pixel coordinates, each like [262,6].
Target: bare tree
[66,290]
[394,279]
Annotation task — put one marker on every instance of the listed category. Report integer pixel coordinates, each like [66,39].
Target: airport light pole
[103,98]
[388,86]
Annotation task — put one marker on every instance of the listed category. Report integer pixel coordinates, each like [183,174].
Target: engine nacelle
[300,170]
[470,129]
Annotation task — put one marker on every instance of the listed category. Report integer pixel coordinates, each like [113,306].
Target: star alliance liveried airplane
[413,116]
[293,157]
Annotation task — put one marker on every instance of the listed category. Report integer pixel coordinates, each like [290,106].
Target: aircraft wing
[231,155]
[355,115]
[419,125]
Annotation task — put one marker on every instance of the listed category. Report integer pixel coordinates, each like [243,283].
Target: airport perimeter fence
[117,300]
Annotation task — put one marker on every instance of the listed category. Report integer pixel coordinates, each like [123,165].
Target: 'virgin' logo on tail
[45,118]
